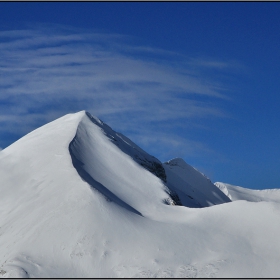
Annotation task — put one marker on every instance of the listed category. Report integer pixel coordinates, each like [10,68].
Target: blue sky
[197,80]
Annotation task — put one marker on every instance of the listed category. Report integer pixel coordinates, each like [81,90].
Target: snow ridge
[130,148]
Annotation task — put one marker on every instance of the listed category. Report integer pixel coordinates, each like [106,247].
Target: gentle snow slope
[240,193]
[75,204]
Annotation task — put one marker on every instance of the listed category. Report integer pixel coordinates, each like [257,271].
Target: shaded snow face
[193,188]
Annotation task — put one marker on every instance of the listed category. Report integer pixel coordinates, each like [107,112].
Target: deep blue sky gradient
[245,144]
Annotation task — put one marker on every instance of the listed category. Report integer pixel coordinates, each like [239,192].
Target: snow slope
[240,193]
[80,200]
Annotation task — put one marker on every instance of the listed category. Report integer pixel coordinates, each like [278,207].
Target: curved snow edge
[85,176]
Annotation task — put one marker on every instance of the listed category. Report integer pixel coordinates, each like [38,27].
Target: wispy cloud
[46,73]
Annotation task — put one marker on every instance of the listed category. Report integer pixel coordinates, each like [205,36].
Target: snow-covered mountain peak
[81,200]
[115,162]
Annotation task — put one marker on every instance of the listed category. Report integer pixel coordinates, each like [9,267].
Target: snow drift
[81,200]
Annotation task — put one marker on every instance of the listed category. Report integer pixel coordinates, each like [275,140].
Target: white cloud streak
[45,74]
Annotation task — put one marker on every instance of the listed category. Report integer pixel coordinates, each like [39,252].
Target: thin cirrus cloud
[46,74]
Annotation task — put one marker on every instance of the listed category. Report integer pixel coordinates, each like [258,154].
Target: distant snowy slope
[76,202]
[240,193]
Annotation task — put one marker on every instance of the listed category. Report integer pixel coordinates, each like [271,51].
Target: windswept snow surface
[80,200]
